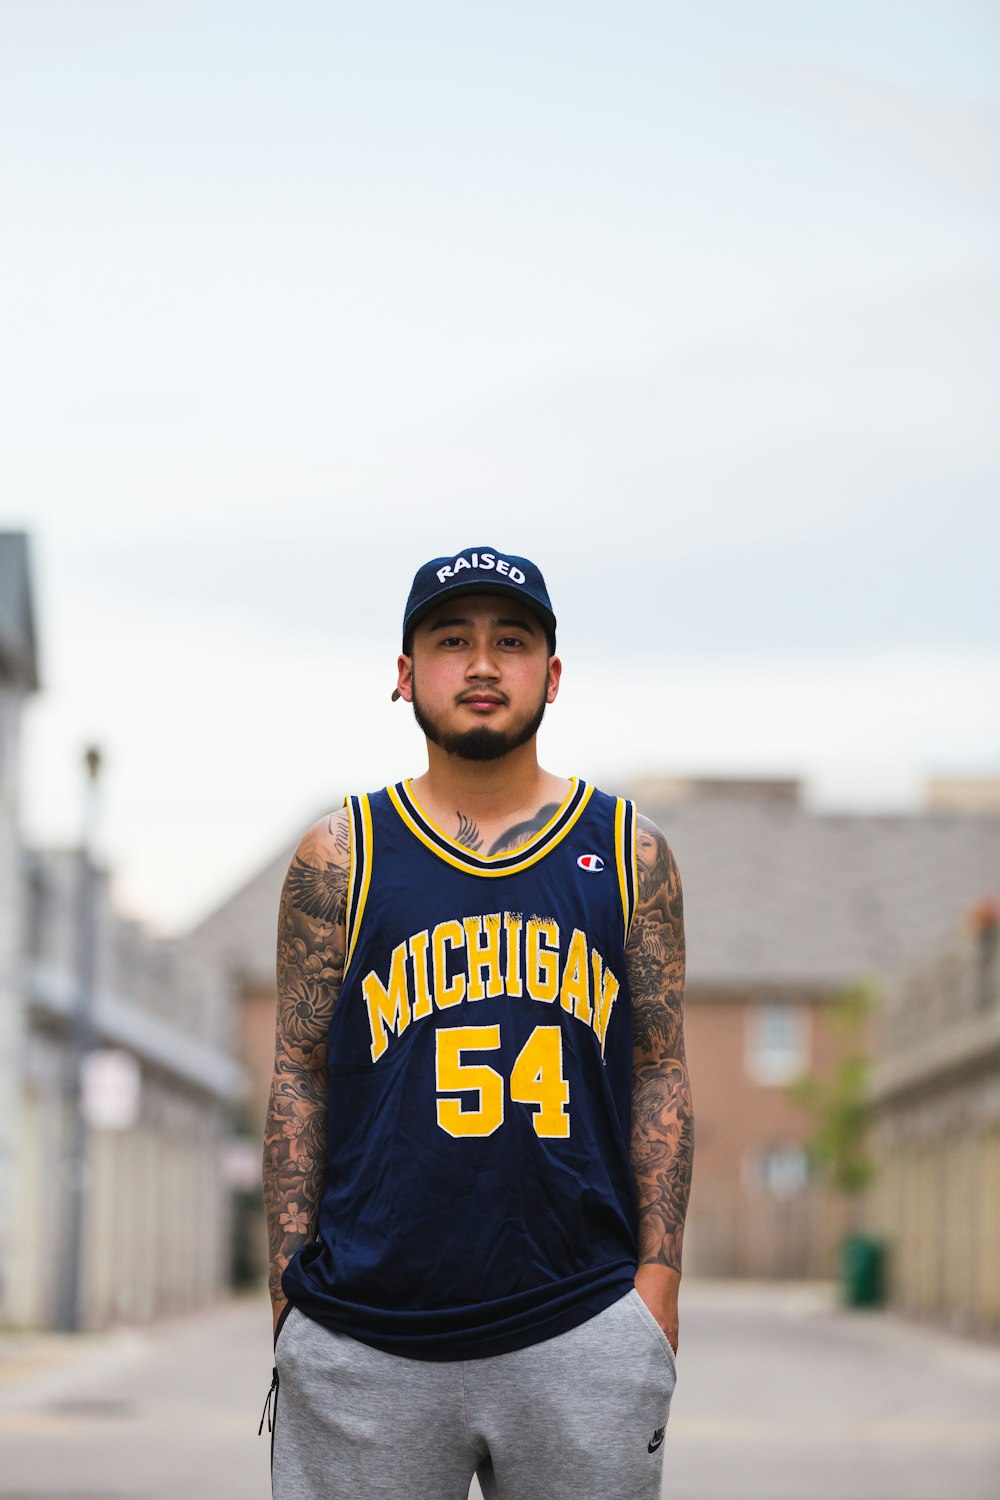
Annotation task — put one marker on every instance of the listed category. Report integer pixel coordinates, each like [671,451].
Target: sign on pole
[112,1089]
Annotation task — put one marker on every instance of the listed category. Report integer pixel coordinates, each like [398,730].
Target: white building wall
[936,1096]
[155,1213]
[12,1015]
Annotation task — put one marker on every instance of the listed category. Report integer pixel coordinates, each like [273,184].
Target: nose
[483,660]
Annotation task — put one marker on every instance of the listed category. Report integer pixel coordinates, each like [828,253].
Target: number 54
[536,1078]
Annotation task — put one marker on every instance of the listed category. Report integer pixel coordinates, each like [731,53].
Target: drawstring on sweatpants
[267,1404]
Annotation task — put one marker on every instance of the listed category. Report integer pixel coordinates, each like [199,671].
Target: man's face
[479,676]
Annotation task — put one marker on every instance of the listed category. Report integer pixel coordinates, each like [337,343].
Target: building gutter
[963,1051]
[51,994]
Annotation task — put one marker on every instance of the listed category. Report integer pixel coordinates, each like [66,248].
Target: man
[479,1140]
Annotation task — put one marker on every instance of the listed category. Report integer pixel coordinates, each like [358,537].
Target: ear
[554,678]
[404,679]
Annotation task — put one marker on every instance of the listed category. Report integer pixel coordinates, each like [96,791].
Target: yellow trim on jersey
[634,852]
[366,875]
[626,860]
[528,855]
[349,905]
[620,859]
[504,853]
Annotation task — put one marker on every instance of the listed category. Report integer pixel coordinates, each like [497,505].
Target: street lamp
[81,1041]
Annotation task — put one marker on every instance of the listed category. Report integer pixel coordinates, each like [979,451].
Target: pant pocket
[270,1412]
[286,1313]
[653,1328]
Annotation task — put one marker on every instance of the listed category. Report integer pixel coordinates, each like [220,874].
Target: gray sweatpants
[577,1417]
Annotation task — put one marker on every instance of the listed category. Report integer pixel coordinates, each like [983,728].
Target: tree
[837,1102]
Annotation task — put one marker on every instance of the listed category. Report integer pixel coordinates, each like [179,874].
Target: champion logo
[591,862]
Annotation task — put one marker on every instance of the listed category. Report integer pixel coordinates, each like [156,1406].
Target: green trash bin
[863,1265]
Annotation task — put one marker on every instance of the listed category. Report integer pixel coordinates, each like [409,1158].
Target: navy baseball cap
[478,570]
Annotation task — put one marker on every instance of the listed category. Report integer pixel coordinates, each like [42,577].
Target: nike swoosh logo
[656,1440]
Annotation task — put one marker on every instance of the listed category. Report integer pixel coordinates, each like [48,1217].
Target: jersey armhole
[360,872]
[626,860]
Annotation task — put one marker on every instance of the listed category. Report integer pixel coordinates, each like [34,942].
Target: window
[781,1169]
[777,1043]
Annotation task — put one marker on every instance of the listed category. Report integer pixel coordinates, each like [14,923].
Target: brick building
[784,907]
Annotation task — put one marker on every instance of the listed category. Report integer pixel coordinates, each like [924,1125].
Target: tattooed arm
[662,1118]
[310,967]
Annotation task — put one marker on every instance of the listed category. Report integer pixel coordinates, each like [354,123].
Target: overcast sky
[697,305]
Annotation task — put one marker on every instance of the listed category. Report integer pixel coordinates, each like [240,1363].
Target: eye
[510,640]
[452,640]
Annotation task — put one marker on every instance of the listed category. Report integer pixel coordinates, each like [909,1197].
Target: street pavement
[782,1394]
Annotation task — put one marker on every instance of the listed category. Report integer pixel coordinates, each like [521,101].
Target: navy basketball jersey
[478,1194]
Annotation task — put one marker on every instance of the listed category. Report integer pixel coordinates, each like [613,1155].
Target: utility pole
[81,1041]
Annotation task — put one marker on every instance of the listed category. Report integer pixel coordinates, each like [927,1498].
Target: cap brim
[510,590]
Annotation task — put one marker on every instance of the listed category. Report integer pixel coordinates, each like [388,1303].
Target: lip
[481,700]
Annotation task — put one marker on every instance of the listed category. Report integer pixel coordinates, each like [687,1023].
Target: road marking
[43,1357]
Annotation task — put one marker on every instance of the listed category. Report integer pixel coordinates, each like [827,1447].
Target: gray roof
[777,893]
[18,648]
[774,892]
[242,932]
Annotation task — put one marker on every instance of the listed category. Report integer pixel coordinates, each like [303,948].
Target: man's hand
[658,1287]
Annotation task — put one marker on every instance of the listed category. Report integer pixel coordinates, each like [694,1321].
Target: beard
[481,742]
